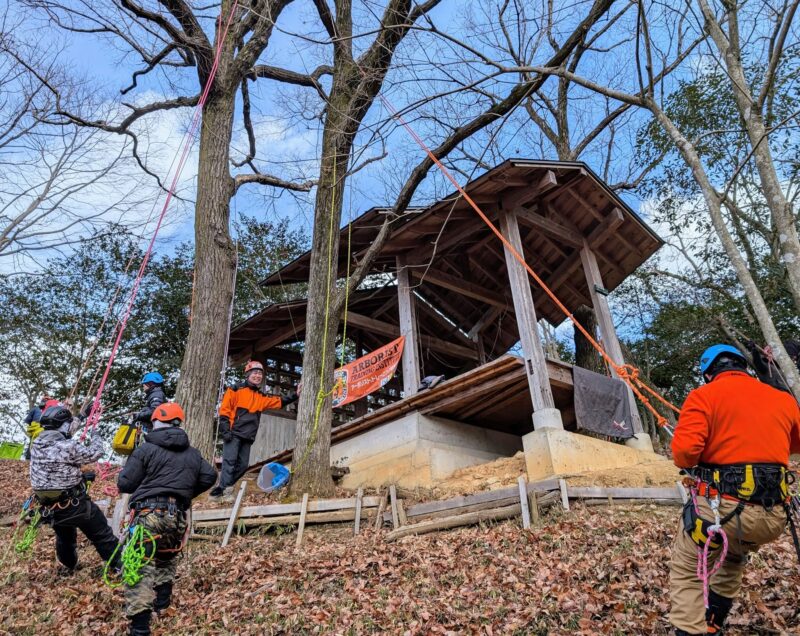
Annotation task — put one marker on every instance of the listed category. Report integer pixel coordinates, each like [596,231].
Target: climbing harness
[141,546]
[764,485]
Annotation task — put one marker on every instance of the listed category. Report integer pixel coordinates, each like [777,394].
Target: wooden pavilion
[461,299]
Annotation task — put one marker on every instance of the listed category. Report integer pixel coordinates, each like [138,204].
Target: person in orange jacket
[733,437]
[239,417]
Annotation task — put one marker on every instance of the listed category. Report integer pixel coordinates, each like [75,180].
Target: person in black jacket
[153,386]
[162,476]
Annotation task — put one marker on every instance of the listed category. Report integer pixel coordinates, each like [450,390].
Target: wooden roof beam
[582,202]
[429,342]
[438,316]
[460,286]
[521,196]
[530,217]
[272,340]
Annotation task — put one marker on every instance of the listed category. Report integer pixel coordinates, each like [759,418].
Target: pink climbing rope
[703,572]
[97,408]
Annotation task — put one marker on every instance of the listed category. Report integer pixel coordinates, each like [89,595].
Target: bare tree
[725,50]
[58,184]
[356,82]
[171,36]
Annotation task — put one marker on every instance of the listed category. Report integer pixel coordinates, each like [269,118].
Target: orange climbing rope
[626,372]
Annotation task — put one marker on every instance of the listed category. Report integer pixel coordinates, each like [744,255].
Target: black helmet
[55,417]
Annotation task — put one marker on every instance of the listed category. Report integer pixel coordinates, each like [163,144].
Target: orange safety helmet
[168,412]
[253,365]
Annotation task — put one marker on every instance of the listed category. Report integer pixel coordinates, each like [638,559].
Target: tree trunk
[738,263]
[586,356]
[311,463]
[214,266]
[780,209]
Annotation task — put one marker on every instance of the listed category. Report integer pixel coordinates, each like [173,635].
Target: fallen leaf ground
[589,571]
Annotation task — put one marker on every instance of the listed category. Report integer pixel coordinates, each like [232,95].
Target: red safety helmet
[168,412]
[253,365]
[50,402]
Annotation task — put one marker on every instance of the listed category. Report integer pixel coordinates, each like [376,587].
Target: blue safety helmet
[154,377]
[714,352]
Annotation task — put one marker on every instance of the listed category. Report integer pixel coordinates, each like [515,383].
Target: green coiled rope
[25,544]
[134,557]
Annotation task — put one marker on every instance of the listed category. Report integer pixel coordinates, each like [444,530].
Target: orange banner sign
[365,375]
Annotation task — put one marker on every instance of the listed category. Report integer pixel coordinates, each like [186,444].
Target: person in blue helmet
[153,387]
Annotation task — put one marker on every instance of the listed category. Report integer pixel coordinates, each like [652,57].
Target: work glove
[227,435]
[33,430]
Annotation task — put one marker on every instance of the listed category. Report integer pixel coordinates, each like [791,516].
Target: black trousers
[235,460]
[89,519]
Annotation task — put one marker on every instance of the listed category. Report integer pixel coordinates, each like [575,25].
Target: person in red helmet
[239,417]
[162,476]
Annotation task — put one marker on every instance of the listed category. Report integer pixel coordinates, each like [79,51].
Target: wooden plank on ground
[401,513]
[393,501]
[318,505]
[534,506]
[357,526]
[594,492]
[302,525]
[335,516]
[424,509]
[562,484]
[381,508]
[493,514]
[523,503]
[234,512]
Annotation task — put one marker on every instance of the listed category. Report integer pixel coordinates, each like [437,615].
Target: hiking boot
[163,596]
[140,624]
[216,491]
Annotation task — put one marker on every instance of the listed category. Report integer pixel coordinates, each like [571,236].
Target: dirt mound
[506,470]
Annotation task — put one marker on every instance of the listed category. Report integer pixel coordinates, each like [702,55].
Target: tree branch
[277,182]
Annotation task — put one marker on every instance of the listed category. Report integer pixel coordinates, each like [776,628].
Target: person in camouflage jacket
[59,486]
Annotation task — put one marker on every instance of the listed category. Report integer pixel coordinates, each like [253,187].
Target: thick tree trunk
[311,463]
[214,265]
[586,356]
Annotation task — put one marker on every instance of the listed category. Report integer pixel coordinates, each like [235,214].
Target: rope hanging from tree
[97,409]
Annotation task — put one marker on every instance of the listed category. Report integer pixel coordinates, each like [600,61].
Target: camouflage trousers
[169,531]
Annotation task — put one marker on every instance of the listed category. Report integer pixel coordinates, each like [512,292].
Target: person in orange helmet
[733,438]
[239,418]
[162,476]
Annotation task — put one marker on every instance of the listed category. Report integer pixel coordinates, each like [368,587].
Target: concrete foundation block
[547,419]
[641,442]
[551,452]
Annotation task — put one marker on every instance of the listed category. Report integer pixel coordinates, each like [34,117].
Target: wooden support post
[357,526]
[562,485]
[525,312]
[523,503]
[120,512]
[607,331]
[393,501]
[533,502]
[234,514]
[302,525]
[408,328]
[682,491]
[401,513]
[381,508]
